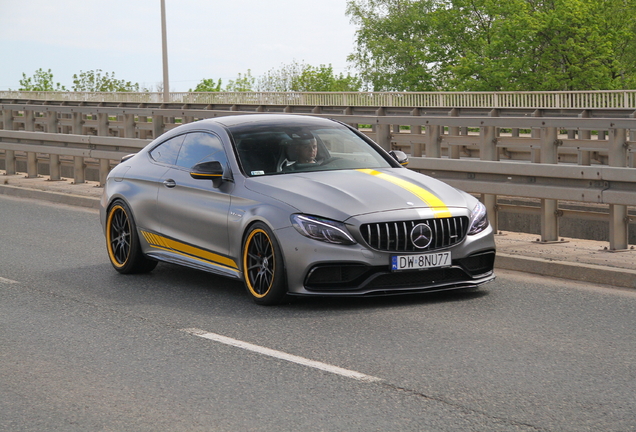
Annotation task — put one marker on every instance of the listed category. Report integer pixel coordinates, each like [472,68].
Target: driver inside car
[306,151]
[300,150]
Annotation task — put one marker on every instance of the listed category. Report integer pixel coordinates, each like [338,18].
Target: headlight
[478,219]
[322,229]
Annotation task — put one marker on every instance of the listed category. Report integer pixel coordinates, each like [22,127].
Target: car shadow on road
[226,290]
[388,301]
[205,293]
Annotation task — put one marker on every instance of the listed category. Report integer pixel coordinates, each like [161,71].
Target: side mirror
[208,171]
[400,156]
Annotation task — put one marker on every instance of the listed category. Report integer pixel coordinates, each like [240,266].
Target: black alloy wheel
[263,268]
[122,242]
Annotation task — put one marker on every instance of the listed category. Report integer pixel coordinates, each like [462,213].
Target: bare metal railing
[601,99]
[548,158]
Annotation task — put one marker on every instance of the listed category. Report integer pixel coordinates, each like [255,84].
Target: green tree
[302,77]
[40,81]
[94,81]
[244,83]
[493,45]
[208,85]
[322,79]
[395,44]
[298,77]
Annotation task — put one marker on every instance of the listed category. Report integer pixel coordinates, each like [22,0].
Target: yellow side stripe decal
[437,205]
[161,242]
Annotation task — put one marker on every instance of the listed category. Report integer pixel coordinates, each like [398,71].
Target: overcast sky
[206,38]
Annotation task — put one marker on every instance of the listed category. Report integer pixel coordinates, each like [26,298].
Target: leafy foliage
[493,45]
[244,83]
[296,76]
[323,79]
[94,81]
[40,81]
[208,85]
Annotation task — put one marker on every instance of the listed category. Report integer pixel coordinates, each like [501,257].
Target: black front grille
[396,236]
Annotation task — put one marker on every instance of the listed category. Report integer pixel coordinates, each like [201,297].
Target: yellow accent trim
[184,249]
[437,205]
[206,175]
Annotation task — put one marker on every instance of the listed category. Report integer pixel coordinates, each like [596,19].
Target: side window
[201,147]
[167,152]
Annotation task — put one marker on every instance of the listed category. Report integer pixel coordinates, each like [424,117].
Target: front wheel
[263,269]
[122,241]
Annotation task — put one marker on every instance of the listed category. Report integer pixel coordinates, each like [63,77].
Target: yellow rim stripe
[437,205]
[164,243]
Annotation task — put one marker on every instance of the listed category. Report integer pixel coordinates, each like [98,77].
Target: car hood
[340,195]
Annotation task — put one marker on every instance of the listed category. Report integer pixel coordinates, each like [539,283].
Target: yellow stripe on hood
[437,205]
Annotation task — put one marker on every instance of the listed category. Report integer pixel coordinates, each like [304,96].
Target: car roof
[264,119]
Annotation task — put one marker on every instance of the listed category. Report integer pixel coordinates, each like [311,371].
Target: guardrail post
[29,121]
[488,151]
[77,126]
[157,125]
[549,207]
[535,153]
[129,125]
[585,156]
[416,145]
[488,144]
[383,132]
[143,133]
[102,130]
[102,124]
[104,168]
[619,219]
[51,121]
[9,162]
[453,150]
[78,170]
[7,119]
[54,167]
[32,164]
[433,141]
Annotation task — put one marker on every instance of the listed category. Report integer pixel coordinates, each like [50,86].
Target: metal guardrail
[573,158]
[599,99]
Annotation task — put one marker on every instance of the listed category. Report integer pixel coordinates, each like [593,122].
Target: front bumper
[319,269]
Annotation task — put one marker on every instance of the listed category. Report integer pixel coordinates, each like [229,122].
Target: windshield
[279,149]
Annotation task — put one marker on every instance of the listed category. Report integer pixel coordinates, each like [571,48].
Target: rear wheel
[263,270]
[122,241]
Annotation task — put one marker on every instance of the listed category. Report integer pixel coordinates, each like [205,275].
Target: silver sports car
[293,205]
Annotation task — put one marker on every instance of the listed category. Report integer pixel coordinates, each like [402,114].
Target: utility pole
[164,44]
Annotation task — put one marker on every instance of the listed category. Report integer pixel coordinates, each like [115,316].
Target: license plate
[422,261]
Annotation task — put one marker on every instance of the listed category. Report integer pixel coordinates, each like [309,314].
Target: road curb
[614,276]
[55,197]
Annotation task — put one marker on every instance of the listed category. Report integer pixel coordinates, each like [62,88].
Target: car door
[193,213]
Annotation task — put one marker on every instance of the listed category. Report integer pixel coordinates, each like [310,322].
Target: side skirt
[182,260]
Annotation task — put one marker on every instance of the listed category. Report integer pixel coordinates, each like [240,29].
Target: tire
[263,268]
[122,241]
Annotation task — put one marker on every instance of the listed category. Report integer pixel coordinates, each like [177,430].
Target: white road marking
[283,356]
[8,281]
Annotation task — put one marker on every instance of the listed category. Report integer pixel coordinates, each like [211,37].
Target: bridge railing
[600,99]
[575,158]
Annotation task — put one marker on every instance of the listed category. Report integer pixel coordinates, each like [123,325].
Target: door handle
[169,183]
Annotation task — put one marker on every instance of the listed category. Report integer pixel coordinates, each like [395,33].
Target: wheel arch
[248,226]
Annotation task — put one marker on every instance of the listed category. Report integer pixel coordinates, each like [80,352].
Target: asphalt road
[83,348]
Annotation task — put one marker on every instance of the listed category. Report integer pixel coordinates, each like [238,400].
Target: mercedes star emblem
[421,236]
